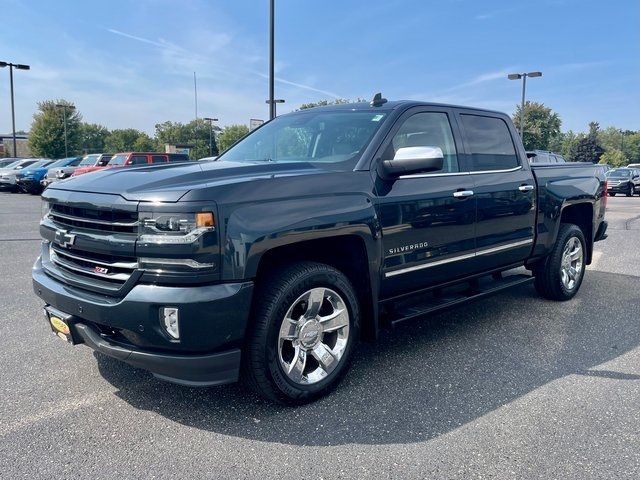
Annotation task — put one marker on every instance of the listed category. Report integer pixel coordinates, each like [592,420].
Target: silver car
[8,174]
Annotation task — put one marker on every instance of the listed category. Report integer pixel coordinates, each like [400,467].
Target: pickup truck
[320,228]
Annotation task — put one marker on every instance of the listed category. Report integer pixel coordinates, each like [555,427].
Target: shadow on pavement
[426,378]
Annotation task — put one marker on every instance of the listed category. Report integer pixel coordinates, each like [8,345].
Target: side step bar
[478,288]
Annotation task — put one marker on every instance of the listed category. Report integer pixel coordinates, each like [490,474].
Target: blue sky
[131,63]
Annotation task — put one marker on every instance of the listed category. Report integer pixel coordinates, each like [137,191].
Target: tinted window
[429,129]
[138,160]
[158,159]
[178,158]
[489,143]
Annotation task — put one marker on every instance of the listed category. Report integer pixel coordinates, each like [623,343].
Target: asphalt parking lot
[512,386]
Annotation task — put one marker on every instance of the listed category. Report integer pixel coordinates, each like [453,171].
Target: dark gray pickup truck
[315,231]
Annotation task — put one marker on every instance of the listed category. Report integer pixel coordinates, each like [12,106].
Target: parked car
[271,262]
[135,158]
[544,156]
[8,174]
[623,180]
[90,160]
[633,165]
[29,179]
[5,162]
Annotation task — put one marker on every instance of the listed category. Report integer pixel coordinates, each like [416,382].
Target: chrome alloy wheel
[572,263]
[313,336]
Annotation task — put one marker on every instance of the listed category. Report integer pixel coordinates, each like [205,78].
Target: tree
[323,103]
[588,148]
[230,134]
[93,137]
[47,129]
[615,158]
[195,133]
[128,140]
[541,126]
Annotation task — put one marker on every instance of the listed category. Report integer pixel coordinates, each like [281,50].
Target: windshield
[619,173]
[58,163]
[118,159]
[13,164]
[88,161]
[39,163]
[326,137]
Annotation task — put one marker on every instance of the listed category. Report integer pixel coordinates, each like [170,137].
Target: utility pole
[11,66]
[271,102]
[211,120]
[195,93]
[523,76]
[64,116]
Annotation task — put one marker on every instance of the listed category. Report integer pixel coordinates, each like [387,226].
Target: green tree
[230,134]
[194,133]
[323,103]
[615,158]
[128,140]
[588,147]
[47,129]
[541,126]
[93,137]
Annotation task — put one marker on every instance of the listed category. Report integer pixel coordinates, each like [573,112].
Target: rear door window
[138,160]
[489,143]
[158,159]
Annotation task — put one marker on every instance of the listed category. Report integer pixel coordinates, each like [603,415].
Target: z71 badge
[407,248]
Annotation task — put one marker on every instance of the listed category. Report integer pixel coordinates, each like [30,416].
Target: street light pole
[211,120]
[13,112]
[523,76]
[271,102]
[273,105]
[64,117]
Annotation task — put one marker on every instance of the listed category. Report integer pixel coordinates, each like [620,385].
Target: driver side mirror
[409,160]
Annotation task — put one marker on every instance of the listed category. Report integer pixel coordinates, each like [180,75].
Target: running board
[476,289]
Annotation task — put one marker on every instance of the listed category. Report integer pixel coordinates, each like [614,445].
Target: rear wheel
[632,191]
[305,326]
[559,276]
[611,194]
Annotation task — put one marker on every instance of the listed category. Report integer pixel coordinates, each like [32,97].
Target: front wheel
[611,194]
[305,326]
[559,276]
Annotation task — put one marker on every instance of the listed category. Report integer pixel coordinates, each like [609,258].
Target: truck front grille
[94,219]
[96,266]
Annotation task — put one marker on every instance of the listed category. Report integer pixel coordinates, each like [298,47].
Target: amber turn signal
[204,219]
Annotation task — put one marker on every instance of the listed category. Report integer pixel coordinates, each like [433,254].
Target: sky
[131,63]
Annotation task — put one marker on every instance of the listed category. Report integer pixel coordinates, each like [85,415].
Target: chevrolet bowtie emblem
[64,239]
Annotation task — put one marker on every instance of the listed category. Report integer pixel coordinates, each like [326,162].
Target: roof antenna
[378,100]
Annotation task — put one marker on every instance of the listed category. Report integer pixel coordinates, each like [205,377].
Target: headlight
[159,227]
[46,209]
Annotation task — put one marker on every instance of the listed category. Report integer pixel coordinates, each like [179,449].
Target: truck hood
[170,182]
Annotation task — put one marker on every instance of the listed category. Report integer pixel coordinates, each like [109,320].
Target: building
[22,145]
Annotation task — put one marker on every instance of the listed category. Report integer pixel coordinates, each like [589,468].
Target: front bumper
[28,184]
[213,320]
[622,188]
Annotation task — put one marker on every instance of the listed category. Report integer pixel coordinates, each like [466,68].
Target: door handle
[463,193]
[526,188]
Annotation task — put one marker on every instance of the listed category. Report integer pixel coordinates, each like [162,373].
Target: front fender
[252,230]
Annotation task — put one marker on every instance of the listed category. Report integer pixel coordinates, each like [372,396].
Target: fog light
[171,322]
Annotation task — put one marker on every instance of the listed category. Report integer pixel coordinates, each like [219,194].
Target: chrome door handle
[526,188]
[463,193]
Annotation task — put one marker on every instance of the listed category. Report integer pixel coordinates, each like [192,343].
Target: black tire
[548,277]
[261,365]
[611,194]
[631,192]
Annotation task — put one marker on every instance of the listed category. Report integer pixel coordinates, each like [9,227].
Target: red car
[134,158]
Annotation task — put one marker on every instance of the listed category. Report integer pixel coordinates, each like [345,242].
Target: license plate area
[61,324]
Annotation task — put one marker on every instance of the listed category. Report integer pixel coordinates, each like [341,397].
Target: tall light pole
[271,101]
[210,120]
[64,107]
[273,106]
[523,76]
[11,66]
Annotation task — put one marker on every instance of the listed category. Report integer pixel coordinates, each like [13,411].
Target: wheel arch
[582,215]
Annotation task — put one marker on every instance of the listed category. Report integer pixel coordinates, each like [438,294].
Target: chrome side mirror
[408,160]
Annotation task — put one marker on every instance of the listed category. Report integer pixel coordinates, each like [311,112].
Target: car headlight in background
[159,227]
